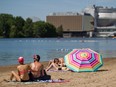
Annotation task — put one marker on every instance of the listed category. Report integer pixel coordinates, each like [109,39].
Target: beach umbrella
[83,60]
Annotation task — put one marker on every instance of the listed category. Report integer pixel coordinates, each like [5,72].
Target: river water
[49,48]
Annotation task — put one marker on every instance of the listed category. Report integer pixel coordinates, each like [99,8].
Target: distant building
[104,20]
[74,24]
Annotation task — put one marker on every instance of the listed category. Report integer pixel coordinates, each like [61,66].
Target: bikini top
[22,72]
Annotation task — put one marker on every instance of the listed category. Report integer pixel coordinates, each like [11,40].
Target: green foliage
[43,29]
[60,31]
[6,21]
[19,23]
[28,28]
[17,27]
[13,31]
[51,30]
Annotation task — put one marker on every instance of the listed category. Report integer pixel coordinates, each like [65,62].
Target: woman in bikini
[60,60]
[23,69]
[56,63]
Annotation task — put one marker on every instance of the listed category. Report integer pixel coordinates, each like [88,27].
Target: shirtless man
[37,68]
[23,70]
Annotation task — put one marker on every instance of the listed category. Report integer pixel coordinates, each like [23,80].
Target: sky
[42,8]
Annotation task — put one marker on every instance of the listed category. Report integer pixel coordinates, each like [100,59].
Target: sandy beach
[104,77]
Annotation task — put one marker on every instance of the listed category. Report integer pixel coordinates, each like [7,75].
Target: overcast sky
[42,8]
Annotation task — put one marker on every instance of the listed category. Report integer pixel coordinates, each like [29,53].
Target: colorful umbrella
[83,60]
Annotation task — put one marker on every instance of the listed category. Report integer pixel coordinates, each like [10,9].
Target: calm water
[49,48]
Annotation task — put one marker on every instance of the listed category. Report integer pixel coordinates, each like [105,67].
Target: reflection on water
[49,48]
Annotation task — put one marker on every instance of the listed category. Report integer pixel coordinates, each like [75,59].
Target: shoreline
[48,61]
[13,67]
[104,77]
[44,62]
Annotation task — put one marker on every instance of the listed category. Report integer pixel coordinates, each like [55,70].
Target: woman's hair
[56,59]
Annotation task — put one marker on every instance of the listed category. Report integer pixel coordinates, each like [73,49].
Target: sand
[104,77]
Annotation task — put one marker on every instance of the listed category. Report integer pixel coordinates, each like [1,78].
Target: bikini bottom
[24,80]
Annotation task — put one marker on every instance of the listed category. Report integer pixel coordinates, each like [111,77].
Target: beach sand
[104,77]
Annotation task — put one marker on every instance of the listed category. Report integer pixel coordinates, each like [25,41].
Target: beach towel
[57,71]
[40,81]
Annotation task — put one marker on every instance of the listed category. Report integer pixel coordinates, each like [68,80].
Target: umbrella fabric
[83,60]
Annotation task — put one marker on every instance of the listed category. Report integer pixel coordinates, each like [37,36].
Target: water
[49,48]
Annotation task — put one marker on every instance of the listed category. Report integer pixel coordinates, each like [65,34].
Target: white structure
[104,19]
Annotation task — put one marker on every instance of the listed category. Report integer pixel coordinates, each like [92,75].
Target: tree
[19,23]
[35,29]
[27,28]
[6,21]
[59,31]
[43,29]
[51,30]
[13,31]
[16,27]
[39,29]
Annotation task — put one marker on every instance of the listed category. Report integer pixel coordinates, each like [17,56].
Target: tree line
[17,27]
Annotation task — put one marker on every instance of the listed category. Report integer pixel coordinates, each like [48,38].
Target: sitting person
[37,70]
[23,70]
[61,61]
[58,64]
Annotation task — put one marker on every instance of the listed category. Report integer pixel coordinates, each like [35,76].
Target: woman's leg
[15,75]
[52,65]
[49,67]
[49,63]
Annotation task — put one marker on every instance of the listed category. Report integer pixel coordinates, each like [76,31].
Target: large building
[105,20]
[73,24]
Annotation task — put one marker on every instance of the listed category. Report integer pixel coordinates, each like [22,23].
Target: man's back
[36,68]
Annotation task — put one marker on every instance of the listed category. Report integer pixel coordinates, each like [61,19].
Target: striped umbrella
[83,60]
